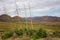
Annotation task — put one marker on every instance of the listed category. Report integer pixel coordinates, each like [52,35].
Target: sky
[35,7]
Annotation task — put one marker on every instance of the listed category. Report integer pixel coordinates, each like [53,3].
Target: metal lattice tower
[17,12]
[30,15]
[5,11]
[25,16]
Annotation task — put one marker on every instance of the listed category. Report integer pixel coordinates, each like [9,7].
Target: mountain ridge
[7,18]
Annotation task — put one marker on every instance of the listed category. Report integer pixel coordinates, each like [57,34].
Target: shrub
[19,32]
[30,32]
[56,34]
[7,34]
[40,34]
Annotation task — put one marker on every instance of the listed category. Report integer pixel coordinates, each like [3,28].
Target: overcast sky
[37,7]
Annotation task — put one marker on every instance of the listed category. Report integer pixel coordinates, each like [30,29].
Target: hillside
[45,19]
[7,18]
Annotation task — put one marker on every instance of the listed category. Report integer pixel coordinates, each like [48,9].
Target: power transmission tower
[4,8]
[30,14]
[25,15]
[17,12]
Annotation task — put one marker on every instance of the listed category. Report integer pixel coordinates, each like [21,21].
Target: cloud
[36,5]
[41,9]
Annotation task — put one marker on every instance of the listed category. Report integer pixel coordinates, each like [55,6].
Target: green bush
[35,34]
[56,34]
[30,32]
[7,34]
[19,32]
[39,34]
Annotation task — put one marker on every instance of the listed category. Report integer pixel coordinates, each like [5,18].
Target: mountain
[7,18]
[17,19]
[45,19]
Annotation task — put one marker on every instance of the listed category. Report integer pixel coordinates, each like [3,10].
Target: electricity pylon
[25,15]
[31,22]
[29,8]
[16,7]
[4,8]
[17,12]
